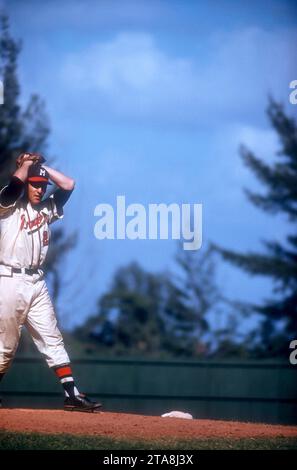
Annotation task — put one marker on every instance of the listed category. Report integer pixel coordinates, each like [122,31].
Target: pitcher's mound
[122,425]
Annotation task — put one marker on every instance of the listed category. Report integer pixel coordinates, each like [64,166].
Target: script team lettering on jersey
[36,223]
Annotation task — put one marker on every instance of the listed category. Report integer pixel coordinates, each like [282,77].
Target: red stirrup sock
[64,373]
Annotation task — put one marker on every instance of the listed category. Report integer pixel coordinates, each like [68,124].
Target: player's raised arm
[61,180]
[22,172]
[10,193]
[65,187]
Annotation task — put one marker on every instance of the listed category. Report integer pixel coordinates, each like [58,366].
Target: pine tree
[155,314]
[189,297]
[278,260]
[128,320]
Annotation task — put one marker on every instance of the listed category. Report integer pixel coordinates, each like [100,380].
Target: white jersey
[25,233]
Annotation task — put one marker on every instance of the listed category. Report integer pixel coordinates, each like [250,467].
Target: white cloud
[130,60]
[134,78]
[132,75]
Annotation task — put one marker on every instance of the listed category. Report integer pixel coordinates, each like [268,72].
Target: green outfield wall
[261,391]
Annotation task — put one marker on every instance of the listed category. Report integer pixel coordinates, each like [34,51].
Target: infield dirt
[121,425]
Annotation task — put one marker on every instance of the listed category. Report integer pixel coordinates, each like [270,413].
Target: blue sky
[151,99]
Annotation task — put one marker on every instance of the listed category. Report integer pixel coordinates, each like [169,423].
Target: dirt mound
[120,425]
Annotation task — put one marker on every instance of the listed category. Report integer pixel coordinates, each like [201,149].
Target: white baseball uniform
[24,298]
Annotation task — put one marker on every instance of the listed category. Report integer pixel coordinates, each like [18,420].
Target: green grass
[34,441]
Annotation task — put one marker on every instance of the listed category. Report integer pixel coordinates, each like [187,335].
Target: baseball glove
[34,157]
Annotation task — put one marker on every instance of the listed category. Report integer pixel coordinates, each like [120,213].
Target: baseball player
[25,218]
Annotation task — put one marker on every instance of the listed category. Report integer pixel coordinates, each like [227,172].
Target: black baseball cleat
[81,403]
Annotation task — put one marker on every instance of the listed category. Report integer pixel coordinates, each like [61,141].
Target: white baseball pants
[24,300]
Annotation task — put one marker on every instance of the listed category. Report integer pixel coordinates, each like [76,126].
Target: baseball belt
[28,271]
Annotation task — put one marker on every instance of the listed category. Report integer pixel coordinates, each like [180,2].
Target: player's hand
[29,159]
[27,163]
